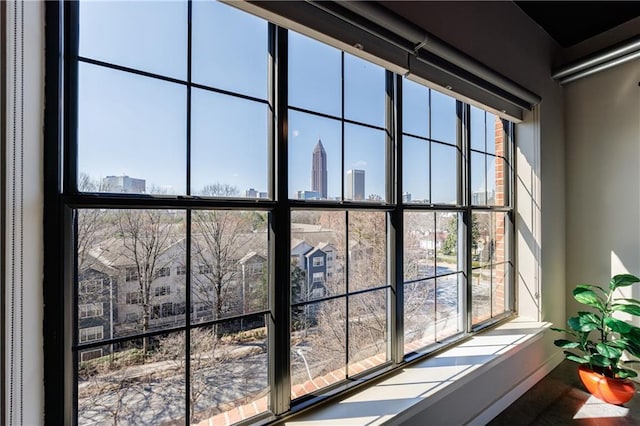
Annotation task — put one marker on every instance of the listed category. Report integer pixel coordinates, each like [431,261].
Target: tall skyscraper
[319,170]
[355,185]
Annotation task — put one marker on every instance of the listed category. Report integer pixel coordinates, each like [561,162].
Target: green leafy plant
[612,336]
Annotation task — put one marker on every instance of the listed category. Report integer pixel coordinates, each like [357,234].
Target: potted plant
[597,341]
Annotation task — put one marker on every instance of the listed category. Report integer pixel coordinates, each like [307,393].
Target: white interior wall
[603,177]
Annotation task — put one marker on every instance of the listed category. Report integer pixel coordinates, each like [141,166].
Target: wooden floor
[560,399]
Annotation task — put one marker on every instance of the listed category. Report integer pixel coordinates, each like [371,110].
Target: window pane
[364,91]
[425,300]
[493,165]
[315,157]
[315,75]
[415,170]
[367,250]
[444,118]
[501,238]
[149,36]
[229,374]
[415,108]
[317,254]
[229,49]
[448,309]
[446,242]
[419,245]
[229,146]
[500,291]
[482,232]
[497,175]
[97,286]
[490,292]
[364,164]
[367,331]
[444,175]
[494,134]
[481,295]
[419,315]
[229,262]
[125,264]
[478,179]
[483,249]
[123,386]
[477,129]
[491,237]
[131,139]
[318,346]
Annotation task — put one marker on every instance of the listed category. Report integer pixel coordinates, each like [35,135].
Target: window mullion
[70,87]
[280,236]
[396,234]
[464,114]
[187,313]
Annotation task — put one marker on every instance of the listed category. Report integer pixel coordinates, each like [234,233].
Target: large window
[263,235]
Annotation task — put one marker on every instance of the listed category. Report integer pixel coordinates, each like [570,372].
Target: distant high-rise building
[355,185]
[319,170]
[124,184]
[308,195]
[406,197]
[252,193]
[481,198]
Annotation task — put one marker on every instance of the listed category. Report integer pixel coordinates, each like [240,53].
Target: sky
[137,126]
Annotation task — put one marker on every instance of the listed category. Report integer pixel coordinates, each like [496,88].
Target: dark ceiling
[570,22]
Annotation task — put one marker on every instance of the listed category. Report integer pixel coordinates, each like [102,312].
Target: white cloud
[295,133]
[360,164]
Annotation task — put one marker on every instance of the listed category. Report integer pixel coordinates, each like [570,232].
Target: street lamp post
[299,352]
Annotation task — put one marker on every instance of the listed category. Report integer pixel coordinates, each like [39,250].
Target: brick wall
[498,282]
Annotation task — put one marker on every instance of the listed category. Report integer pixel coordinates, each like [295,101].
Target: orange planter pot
[613,391]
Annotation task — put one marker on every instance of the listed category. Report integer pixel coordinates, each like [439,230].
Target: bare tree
[219,190]
[146,236]
[419,261]
[92,224]
[221,239]
[368,252]
[335,223]
[208,357]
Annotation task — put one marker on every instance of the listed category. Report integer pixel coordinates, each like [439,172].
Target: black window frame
[62,198]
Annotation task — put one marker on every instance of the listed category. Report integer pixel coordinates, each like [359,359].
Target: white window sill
[427,381]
